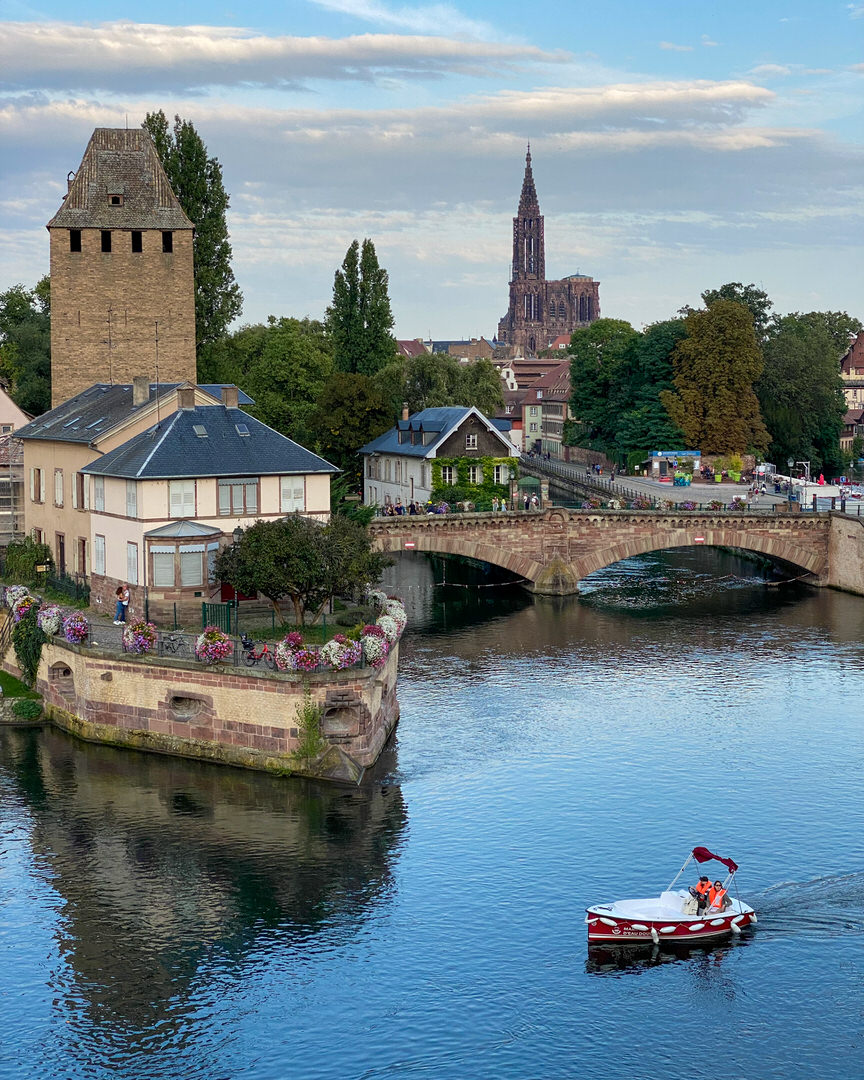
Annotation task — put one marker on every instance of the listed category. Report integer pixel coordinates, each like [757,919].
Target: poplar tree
[716,367]
[360,320]
[196,179]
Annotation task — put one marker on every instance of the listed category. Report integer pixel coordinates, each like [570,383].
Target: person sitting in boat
[718,897]
[701,891]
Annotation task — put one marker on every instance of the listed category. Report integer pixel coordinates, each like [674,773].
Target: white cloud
[708,42]
[134,57]
[670,46]
[426,19]
[770,69]
[856,11]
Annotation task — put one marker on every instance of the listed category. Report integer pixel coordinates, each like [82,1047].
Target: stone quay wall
[222,714]
[552,550]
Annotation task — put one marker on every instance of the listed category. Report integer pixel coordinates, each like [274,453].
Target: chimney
[405,413]
[140,390]
[186,397]
[230,396]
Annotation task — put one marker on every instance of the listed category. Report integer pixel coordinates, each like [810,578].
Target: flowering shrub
[305,659]
[396,610]
[213,646]
[375,649]
[14,593]
[50,619]
[340,653]
[641,502]
[716,504]
[139,637]
[372,630]
[688,505]
[22,608]
[390,628]
[75,627]
[738,503]
[375,597]
[294,640]
[591,504]
[285,650]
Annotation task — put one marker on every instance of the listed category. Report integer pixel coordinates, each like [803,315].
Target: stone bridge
[552,550]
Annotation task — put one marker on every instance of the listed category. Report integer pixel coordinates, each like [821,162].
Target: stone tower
[122,285]
[541,310]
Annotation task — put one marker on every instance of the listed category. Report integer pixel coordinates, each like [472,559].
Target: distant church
[122,286]
[540,310]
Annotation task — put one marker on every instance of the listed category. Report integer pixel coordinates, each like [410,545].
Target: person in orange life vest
[718,897]
[701,890]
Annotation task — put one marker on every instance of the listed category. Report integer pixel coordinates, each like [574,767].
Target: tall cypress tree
[197,182]
[360,320]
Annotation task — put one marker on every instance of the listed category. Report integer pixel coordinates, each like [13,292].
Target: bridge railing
[585,477]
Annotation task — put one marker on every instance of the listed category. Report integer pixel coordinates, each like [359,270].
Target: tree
[643,423]
[751,296]
[359,320]
[597,353]
[801,392]
[840,327]
[288,373]
[301,559]
[25,345]
[349,413]
[480,385]
[196,180]
[716,366]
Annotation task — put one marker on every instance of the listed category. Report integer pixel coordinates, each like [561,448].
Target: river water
[167,919]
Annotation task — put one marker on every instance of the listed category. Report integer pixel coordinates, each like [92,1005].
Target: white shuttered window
[293,494]
[181,498]
[98,554]
[132,564]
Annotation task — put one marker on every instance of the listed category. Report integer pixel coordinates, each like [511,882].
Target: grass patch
[14,688]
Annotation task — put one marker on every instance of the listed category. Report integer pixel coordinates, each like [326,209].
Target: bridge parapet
[552,550]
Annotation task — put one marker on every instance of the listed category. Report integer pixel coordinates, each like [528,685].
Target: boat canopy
[702,854]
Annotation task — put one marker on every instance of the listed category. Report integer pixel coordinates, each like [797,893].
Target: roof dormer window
[115,200]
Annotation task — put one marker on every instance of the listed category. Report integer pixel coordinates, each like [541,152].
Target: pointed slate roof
[120,161]
[436,424]
[209,440]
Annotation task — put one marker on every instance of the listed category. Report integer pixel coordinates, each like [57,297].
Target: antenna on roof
[110,345]
[127,121]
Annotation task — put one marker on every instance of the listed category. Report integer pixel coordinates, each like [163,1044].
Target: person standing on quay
[122,605]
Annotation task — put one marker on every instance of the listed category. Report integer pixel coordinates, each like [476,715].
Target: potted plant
[75,628]
[139,637]
[213,646]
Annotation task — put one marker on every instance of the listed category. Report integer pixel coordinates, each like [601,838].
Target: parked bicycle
[172,644]
[251,658]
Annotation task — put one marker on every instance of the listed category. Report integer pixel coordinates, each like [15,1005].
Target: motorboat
[676,915]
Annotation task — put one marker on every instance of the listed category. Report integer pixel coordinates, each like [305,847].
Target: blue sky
[676,145]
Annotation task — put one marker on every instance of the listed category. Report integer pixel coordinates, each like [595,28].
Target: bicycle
[252,658]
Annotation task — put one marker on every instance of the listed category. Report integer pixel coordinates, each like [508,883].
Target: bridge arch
[553,550]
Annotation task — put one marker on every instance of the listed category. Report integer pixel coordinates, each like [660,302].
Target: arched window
[562,312]
[583,309]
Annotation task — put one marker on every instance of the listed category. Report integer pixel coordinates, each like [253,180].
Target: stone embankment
[247,718]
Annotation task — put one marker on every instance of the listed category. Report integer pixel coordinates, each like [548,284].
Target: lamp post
[237,534]
[514,489]
[806,465]
[791,463]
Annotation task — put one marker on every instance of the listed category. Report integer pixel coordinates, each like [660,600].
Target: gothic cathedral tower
[122,285]
[541,310]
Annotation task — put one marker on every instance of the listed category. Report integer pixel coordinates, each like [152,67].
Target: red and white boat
[672,916]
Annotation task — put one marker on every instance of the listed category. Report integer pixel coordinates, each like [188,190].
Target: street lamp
[514,490]
[237,534]
[791,463]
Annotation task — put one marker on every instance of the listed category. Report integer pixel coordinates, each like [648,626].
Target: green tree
[751,296]
[304,561]
[25,345]
[350,411]
[480,385]
[230,358]
[841,327]
[287,375]
[716,366]
[643,422]
[197,182]
[801,392]
[360,320]
[597,355]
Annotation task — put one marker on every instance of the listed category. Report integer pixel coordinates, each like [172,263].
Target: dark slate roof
[123,162]
[435,422]
[173,449]
[98,409]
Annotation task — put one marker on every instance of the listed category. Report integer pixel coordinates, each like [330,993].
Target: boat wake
[825,907]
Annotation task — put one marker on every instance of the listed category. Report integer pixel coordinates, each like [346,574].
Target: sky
[676,145]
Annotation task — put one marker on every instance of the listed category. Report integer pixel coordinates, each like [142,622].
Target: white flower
[390,627]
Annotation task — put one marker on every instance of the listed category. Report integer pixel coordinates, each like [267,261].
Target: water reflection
[638,959]
[166,872]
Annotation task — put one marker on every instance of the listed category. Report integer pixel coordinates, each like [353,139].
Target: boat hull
[605,926]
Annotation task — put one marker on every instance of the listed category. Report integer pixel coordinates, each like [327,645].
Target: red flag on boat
[702,854]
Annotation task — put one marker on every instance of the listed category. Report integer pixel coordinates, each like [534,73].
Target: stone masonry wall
[554,549]
[246,718]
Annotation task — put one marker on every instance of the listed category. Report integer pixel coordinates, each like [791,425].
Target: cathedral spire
[528,199]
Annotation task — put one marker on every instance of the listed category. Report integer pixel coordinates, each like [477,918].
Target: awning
[702,854]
